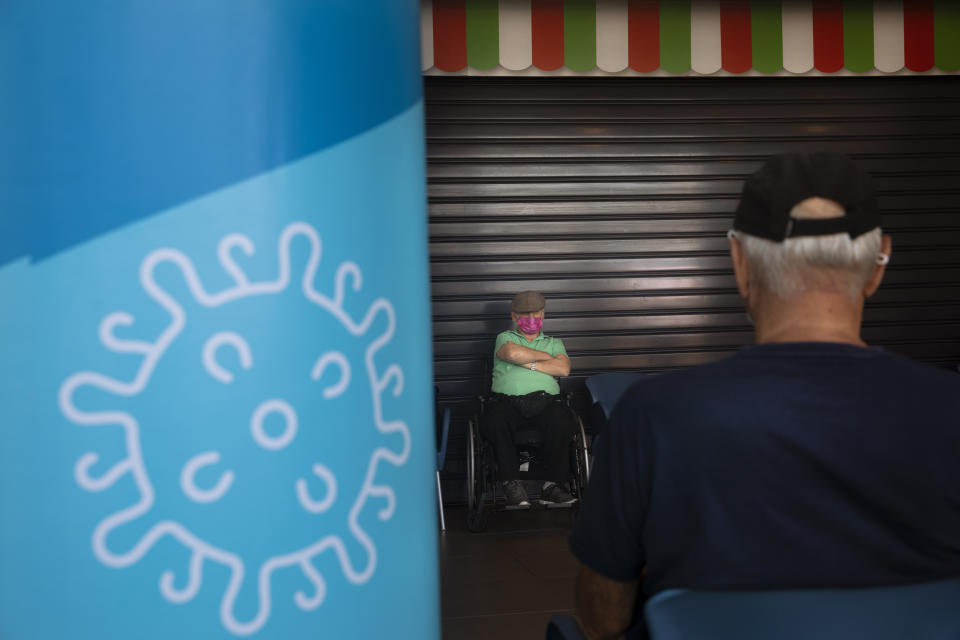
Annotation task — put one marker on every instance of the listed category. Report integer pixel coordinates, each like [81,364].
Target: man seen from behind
[808,460]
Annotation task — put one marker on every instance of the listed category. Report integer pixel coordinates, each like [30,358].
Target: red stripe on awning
[450,35]
[827,35]
[918,34]
[643,29]
[736,50]
[546,24]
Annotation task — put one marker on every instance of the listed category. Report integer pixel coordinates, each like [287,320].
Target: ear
[513,317]
[879,270]
[741,270]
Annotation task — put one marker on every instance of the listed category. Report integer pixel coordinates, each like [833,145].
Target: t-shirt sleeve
[608,536]
[502,338]
[557,347]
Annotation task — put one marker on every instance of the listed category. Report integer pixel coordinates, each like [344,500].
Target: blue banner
[113,111]
[215,337]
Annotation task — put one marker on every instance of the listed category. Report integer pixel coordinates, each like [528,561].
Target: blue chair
[443,431]
[606,388]
[926,611]
[563,626]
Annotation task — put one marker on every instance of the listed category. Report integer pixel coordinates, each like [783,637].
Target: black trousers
[555,422]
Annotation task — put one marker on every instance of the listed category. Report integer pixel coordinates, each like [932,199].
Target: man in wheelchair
[525,395]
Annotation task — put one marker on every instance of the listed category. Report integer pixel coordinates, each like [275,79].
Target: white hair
[832,262]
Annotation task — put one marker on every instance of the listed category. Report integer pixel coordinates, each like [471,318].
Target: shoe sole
[517,507]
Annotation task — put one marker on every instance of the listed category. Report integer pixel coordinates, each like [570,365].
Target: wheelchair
[484,493]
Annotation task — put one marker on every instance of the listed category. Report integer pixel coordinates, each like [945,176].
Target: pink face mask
[529,325]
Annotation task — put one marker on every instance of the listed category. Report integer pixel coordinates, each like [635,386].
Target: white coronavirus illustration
[226,428]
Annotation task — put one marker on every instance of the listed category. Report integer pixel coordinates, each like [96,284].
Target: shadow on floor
[505,583]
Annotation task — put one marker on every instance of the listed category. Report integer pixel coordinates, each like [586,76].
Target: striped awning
[686,37]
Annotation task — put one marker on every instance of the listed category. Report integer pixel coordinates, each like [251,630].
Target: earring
[883,258]
[731,233]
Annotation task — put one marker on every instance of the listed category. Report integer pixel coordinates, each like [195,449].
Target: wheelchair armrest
[482,403]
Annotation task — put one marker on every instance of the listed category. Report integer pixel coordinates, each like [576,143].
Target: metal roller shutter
[613,196]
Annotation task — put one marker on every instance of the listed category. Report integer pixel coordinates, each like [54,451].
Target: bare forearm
[557,366]
[521,355]
[604,606]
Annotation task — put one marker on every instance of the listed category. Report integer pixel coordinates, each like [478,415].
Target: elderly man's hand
[605,607]
[557,366]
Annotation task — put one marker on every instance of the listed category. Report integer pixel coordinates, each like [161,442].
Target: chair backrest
[927,611]
[442,428]
[606,388]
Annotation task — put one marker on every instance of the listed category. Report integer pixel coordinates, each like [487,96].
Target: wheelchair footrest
[559,505]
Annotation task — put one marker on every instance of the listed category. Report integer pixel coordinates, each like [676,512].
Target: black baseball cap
[787,179]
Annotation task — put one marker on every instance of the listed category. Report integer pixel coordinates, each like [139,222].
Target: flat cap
[527,302]
[788,179]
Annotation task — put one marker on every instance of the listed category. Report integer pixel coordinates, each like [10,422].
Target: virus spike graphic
[209,476]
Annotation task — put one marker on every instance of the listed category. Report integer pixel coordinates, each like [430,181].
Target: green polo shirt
[514,380]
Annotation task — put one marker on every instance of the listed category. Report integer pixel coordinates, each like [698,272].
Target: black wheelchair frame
[482,468]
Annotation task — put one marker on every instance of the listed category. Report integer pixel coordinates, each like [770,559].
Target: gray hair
[832,262]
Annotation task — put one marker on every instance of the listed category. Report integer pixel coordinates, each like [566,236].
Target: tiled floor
[505,583]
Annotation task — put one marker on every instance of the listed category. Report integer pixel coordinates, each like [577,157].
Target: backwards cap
[788,179]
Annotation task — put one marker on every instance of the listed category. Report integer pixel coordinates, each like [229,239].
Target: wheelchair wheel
[476,481]
[580,461]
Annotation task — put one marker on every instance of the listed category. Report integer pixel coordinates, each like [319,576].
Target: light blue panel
[217,421]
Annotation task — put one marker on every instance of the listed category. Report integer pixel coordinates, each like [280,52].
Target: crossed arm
[556,366]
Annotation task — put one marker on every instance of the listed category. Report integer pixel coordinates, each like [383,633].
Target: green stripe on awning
[675,36]
[483,34]
[580,34]
[766,27]
[946,35]
[858,35]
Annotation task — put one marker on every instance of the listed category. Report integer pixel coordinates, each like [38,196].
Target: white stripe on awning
[888,52]
[705,36]
[516,41]
[797,17]
[426,34]
[612,35]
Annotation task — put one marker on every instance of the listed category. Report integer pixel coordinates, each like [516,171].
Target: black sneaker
[516,495]
[556,496]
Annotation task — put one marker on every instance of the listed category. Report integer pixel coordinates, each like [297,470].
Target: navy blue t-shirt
[785,466]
